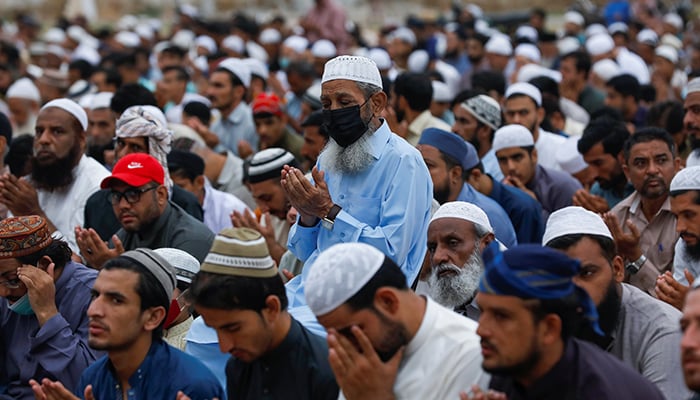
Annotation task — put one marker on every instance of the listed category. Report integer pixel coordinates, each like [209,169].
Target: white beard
[352,159]
[454,290]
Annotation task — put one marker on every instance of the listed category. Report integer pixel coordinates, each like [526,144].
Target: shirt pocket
[364,209]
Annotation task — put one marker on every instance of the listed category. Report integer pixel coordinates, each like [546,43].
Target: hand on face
[40,289]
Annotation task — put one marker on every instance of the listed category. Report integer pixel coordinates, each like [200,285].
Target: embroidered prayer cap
[667,52]
[267,103]
[574,220]
[534,272]
[135,169]
[693,85]
[526,89]
[339,273]
[484,108]
[71,108]
[24,88]
[499,44]
[354,68]
[514,135]
[568,157]
[267,164]
[184,263]
[240,252]
[237,67]
[447,143]
[463,210]
[20,236]
[599,44]
[686,179]
[155,264]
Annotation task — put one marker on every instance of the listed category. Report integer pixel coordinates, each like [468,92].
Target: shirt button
[342,196]
[342,234]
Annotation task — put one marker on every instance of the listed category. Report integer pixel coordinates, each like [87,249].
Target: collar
[290,342]
[379,139]
[236,116]
[136,380]
[636,204]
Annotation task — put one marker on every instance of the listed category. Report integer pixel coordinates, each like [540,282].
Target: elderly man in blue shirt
[370,185]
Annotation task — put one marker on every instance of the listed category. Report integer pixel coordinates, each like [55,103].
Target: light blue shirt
[386,206]
[203,344]
[502,227]
[237,126]
[491,167]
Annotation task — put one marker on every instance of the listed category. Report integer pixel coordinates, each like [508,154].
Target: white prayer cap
[76,33]
[474,10]
[184,263]
[145,31]
[339,273]
[686,179]
[574,17]
[201,63]
[24,88]
[606,69]
[237,67]
[530,71]
[86,100]
[482,26]
[499,44]
[526,89]
[595,29]
[55,36]
[404,34]
[207,42]
[568,157]
[70,107]
[87,53]
[418,61]
[257,67]
[90,41]
[234,43]
[529,51]
[674,20]
[183,39]
[567,45]
[693,86]
[101,100]
[599,44]
[648,37]
[127,22]
[37,49]
[617,27]
[354,68]
[256,51]
[667,52]
[514,135]
[671,40]
[380,57]
[441,92]
[574,220]
[128,39]
[55,50]
[463,210]
[270,36]
[323,48]
[527,32]
[296,43]
[189,10]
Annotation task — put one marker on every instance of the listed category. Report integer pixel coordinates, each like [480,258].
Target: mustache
[444,267]
[686,234]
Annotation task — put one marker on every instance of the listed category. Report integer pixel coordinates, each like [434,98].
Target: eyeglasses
[131,195]
[11,283]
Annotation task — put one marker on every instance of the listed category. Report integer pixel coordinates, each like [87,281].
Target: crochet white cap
[323,48]
[237,67]
[529,51]
[463,210]
[71,108]
[234,43]
[353,68]
[270,36]
[514,135]
[380,57]
[686,179]
[101,100]
[606,69]
[667,52]
[574,17]
[338,274]
[574,220]
[526,89]
[599,44]
[24,88]
[184,263]
[568,157]
[499,44]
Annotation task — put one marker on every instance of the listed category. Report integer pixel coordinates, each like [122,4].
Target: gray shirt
[554,189]
[647,338]
[236,126]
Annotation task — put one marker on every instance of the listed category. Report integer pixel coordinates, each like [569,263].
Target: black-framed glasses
[11,283]
[132,195]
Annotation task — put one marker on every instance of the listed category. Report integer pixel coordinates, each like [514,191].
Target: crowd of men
[253,209]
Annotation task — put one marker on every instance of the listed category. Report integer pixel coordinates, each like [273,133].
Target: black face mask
[345,125]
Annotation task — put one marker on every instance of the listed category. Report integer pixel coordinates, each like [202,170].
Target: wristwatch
[634,266]
[328,221]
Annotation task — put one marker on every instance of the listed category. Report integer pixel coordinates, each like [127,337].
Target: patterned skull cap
[20,236]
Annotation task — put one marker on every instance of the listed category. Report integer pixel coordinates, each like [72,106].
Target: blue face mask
[284,62]
[22,306]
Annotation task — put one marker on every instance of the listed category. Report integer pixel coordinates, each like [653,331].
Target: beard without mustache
[455,290]
[352,159]
[58,173]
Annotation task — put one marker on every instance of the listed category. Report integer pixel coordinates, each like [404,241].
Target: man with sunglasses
[44,298]
[148,219]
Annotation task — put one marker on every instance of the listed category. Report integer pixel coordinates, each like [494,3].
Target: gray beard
[454,290]
[349,160]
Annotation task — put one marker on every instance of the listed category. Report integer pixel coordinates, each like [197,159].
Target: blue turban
[451,144]
[534,272]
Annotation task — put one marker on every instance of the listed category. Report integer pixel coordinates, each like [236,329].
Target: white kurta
[218,207]
[547,145]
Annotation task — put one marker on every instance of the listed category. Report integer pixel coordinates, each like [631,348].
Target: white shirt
[683,261]
[442,359]
[218,207]
[547,145]
[66,207]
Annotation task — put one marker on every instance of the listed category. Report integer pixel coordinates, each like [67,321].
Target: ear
[44,262]
[540,115]
[199,182]
[272,310]
[153,317]
[378,102]
[483,133]
[455,174]
[677,164]
[386,300]
[162,194]
[618,269]
[485,241]
[550,326]
[533,155]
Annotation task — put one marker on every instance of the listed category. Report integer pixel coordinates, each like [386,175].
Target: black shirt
[297,369]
